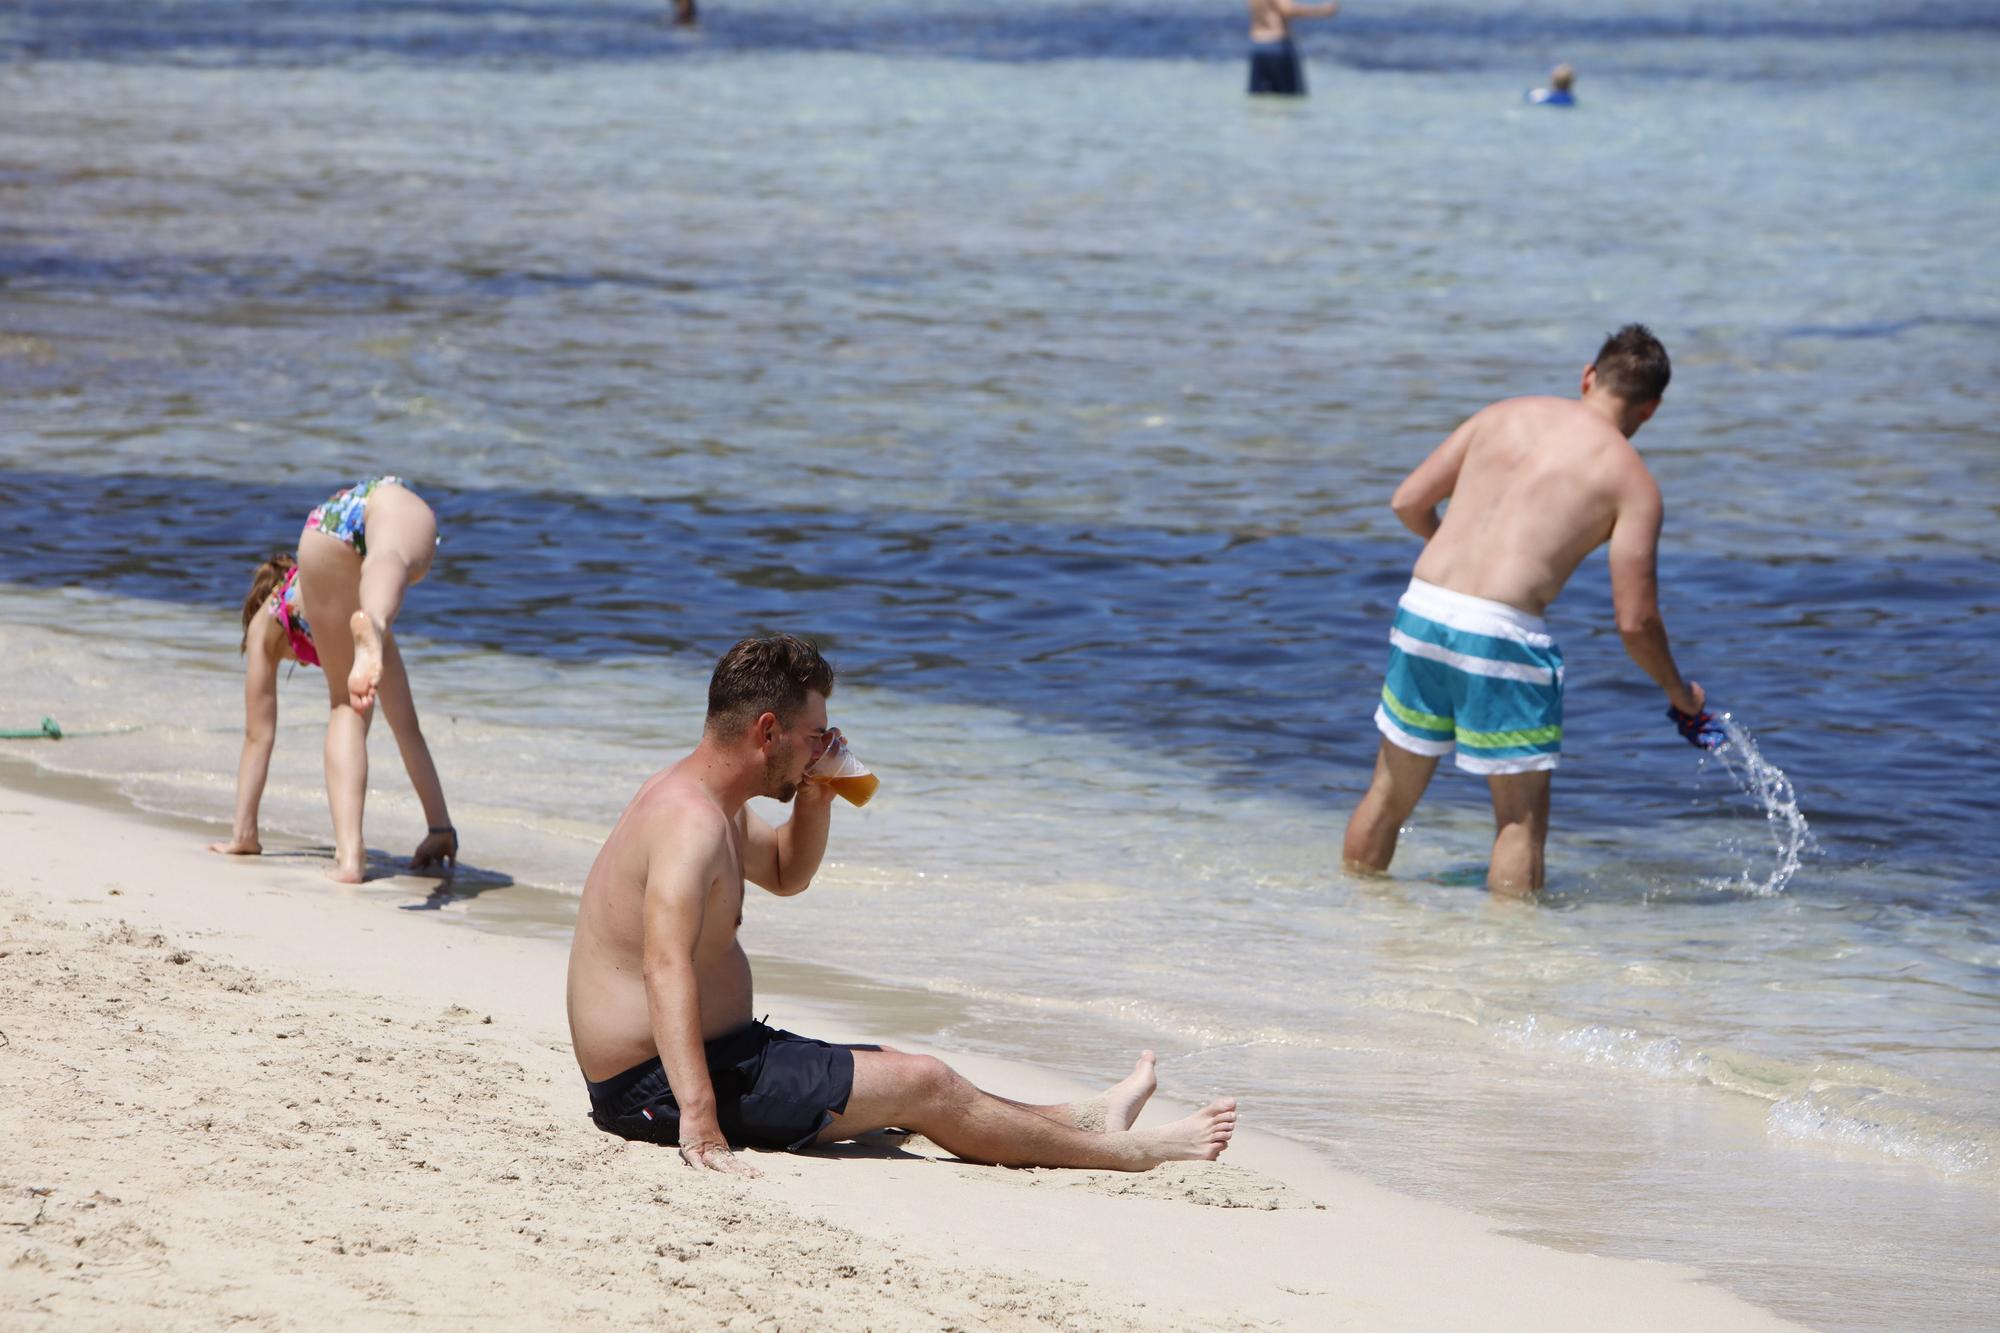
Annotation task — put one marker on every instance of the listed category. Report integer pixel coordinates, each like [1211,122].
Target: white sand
[231,1092]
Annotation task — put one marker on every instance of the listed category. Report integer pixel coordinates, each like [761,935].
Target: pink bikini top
[285,606]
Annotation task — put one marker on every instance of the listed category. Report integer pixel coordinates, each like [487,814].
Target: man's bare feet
[1118,1106]
[367,672]
[347,872]
[238,847]
[1200,1137]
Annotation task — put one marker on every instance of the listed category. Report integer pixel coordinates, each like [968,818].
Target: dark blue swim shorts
[773,1089]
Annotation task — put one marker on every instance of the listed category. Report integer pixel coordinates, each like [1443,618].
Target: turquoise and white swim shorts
[1477,676]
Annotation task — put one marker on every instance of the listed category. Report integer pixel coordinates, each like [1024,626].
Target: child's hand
[439,847]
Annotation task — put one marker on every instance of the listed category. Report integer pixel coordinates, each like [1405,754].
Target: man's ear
[765,730]
[1589,378]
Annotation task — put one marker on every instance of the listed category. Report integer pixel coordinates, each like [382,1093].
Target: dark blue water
[1230,646]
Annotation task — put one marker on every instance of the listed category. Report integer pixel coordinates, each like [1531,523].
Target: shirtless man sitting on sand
[1535,485]
[659,988]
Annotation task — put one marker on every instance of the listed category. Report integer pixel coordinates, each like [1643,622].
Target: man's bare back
[1271,20]
[1540,483]
[1534,485]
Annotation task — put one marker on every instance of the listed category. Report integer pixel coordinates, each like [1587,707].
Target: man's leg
[923,1094]
[1521,826]
[1116,1108]
[1393,793]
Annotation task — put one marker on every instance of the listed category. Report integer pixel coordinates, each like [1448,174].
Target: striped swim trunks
[1473,675]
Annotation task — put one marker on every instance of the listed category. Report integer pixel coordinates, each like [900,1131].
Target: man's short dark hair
[771,675]
[1633,365]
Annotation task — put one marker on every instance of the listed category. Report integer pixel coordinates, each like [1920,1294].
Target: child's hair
[270,576]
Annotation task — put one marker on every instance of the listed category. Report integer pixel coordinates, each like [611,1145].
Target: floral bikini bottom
[345,515]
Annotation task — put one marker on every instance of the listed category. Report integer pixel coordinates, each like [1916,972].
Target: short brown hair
[1633,365]
[270,576]
[771,675]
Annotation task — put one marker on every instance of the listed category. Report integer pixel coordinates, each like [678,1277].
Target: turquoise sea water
[1059,390]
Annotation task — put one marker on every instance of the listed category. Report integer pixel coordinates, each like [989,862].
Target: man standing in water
[1274,60]
[659,988]
[1535,485]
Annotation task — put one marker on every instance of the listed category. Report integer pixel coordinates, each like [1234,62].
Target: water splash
[1766,783]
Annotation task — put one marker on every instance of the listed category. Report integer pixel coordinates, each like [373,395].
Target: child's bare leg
[400,534]
[328,585]
[924,1094]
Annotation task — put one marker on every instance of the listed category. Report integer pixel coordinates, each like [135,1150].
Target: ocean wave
[1879,1121]
[1847,1104]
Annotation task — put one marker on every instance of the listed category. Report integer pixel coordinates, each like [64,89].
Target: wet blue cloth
[1275,69]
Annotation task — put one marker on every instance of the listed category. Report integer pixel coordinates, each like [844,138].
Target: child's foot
[347,872]
[367,672]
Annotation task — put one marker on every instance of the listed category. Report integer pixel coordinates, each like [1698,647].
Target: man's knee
[931,1077]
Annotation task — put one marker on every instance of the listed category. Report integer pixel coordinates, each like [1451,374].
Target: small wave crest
[1882,1122]
[1855,1106]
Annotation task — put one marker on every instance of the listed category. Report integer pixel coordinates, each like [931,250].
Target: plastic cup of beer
[847,775]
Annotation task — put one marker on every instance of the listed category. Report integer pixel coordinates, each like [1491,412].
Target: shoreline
[148,1071]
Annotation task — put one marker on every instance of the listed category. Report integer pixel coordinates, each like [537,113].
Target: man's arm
[784,859]
[686,851]
[1635,593]
[1431,484]
[260,734]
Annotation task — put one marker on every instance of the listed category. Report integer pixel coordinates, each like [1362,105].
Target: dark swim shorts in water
[1275,68]
[772,1090]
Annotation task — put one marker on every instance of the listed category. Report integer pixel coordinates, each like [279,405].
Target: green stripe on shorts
[1415,718]
[1503,740]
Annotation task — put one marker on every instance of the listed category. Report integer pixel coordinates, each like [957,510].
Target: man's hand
[813,794]
[239,846]
[819,791]
[709,1151]
[1697,726]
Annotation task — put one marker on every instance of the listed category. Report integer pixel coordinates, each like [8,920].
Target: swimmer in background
[1274,61]
[357,557]
[1535,485]
[1561,80]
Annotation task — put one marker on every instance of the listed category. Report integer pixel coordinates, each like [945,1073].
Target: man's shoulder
[672,805]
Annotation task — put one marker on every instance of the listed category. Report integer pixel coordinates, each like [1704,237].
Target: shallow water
[1059,393]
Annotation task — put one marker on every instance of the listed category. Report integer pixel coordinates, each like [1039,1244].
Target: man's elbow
[665,972]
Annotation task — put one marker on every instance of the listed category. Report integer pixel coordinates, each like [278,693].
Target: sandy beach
[234,1093]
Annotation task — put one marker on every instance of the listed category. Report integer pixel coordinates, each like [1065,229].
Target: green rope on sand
[48,730]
